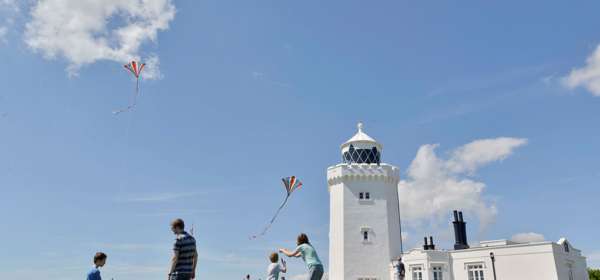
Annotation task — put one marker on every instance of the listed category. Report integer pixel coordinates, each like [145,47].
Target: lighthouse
[364,229]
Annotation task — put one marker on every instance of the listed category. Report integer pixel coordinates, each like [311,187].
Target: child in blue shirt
[99,261]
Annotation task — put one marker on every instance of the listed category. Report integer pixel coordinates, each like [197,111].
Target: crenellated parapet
[362,172]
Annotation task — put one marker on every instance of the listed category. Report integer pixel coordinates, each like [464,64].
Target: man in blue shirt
[185,256]
[99,261]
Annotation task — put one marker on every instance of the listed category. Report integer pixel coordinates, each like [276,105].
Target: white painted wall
[541,260]
[350,257]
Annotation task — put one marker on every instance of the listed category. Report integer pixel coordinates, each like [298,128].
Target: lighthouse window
[364,196]
[366,236]
[369,156]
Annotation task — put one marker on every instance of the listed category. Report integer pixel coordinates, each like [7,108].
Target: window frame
[366,231]
[478,269]
[416,270]
[437,272]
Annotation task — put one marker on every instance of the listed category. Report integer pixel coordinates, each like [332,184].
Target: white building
[364,233]
[498,259]
[364,230]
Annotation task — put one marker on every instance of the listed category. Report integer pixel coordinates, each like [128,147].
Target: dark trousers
[315,272]
[180,276]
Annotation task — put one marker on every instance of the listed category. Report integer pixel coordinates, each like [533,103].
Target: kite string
[135,94]
[137,91]
[274,217]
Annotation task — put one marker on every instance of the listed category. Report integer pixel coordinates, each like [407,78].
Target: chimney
[431,245]
[460,231]
[463,230]
[425,246]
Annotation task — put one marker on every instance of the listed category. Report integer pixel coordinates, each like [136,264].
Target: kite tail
[264,231]
[137,90]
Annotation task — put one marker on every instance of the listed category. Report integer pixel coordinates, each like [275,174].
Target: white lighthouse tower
[364,229]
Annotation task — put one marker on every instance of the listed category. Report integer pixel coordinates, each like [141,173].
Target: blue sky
[247,93]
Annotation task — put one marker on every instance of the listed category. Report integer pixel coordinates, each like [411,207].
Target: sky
[491,108]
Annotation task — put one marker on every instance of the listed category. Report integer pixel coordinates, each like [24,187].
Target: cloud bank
[85,31]
[527,237]
[587,76]
[435,186]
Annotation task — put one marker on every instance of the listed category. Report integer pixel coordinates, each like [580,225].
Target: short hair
[274,257]
[99,257]
[302,239]
[178,223]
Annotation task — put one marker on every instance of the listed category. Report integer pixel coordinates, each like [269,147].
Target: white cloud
[157,197]
[131,246]
[86,31]
[3,31]
[527,237]
[593,259]
[436,186]
[587,76]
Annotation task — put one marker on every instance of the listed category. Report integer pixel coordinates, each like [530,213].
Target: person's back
[400,271]
[309,255]
[185,256]
[99,261]
[94,274]
[185,244]
[274,268]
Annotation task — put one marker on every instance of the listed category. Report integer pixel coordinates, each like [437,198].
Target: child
[309,255]
[274,268]
[99,261]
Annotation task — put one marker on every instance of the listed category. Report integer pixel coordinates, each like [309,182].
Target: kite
[291,184]
[136,69]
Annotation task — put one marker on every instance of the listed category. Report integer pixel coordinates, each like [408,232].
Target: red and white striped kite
[136,69]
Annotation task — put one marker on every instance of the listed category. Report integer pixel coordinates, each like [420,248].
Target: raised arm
[283,266]
[290,254]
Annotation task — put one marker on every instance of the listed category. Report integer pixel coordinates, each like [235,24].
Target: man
[99,261]
[185,256]
[400,271]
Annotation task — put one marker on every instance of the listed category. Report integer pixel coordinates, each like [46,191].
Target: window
[417,273]
[354,155]
[475,271]
[364,196]
[365,234]
[437,273]
[566,246]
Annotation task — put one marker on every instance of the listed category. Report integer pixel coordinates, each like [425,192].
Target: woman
[309,255]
